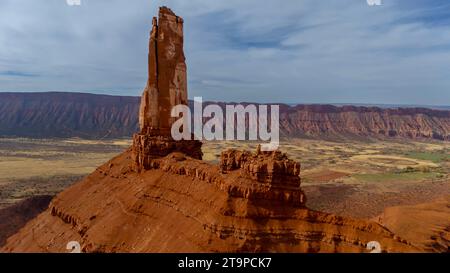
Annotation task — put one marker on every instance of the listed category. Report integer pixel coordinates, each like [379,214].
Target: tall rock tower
[167,79]
[166,87]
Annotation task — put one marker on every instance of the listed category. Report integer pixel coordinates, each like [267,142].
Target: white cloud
[251,50]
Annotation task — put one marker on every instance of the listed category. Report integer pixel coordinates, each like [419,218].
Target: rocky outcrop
[270,167]
[269,176]
[148,147]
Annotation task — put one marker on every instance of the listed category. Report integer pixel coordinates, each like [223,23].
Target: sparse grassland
[394,177]
[436,157]
[47,166]
[357,179]
[360,179]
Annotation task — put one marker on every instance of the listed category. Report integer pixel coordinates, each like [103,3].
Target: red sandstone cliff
[350,121]
[98,116]
[58,114]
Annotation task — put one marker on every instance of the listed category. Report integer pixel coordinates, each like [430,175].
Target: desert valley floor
[357,179]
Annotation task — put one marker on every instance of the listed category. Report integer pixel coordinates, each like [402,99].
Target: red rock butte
[159,196]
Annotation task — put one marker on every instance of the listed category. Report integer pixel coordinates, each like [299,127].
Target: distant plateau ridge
[61,114]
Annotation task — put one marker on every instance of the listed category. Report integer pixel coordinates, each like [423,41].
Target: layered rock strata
[264,175]
[147,147]
[65,115]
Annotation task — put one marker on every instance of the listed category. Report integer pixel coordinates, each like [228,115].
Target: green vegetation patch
[435,157]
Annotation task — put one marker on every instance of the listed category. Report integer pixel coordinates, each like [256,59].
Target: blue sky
[293,51]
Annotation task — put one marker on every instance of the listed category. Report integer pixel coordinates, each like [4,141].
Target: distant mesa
[62,115]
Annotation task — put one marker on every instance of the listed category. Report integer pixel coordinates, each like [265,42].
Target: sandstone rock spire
[166,87]
[167,79]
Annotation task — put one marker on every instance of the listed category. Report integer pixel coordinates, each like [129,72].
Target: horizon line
[406,105]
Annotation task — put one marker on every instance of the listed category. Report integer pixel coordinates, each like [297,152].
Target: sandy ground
[358,179]
[31,167]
